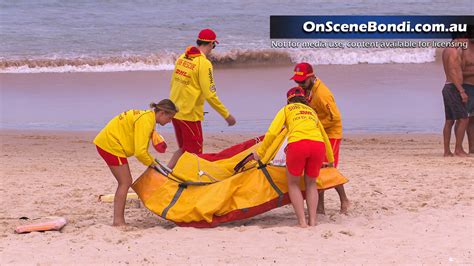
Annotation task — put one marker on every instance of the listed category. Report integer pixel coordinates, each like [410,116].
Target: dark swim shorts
[454,108]
[470,101]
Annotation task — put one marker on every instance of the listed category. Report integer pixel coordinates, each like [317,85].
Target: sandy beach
[409,205]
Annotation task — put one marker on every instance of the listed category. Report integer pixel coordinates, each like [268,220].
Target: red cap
[293,92]
[207,35]
[302,72]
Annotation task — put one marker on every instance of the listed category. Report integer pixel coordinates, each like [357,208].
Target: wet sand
[371,97]
[409,205]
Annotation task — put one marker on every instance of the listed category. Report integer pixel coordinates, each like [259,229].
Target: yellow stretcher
[202,193]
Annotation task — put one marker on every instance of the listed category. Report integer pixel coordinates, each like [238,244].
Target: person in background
[455,99]
[467,58]
[322,101]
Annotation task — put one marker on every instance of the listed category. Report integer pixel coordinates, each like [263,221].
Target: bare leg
[174,159]
[345,203]
[470,134]
[460,130]
[448,126]
[311,198]
[296,198]
[320,209]
[124,179]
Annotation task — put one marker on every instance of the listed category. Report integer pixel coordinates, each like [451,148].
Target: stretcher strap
[263,167]
[192,183]
[173,201]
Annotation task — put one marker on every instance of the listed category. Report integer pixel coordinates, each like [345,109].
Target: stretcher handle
[163,168]
[242,163]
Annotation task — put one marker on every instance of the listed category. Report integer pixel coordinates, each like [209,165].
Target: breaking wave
[165,61]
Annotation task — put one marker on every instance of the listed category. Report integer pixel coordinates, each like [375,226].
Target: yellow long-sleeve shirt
[322,101]
[192,83]
[302,123]
[128,134]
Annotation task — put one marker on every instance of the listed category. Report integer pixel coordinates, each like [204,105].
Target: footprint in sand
[326,234]
[348,233]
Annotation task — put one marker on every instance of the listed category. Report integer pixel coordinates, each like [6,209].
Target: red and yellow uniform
[306,137]
[128,134]
[192,84]
[322,101]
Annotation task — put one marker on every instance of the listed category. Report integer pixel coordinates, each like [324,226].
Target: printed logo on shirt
[182,73]
[184,82]
[302,112]
[211,78]
[186,64]
[293,107]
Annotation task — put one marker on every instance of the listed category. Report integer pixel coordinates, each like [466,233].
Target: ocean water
[128,35]
[377,90]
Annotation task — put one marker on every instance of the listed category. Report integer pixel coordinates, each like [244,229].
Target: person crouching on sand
[307,146]
[129,134]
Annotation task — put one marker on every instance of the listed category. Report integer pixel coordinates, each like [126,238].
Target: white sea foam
[157,62]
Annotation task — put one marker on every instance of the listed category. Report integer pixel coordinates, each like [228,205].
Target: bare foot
[119,224]
[448,154]
[312,223]
[303,225]
[461,153]
[345,206]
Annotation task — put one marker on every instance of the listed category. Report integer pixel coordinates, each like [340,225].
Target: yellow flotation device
[203,193]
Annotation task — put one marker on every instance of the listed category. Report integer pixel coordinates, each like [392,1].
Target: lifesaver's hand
[230,120]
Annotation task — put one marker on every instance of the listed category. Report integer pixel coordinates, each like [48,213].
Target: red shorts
[188,135]
[305,155]
[110,159]
[335,143]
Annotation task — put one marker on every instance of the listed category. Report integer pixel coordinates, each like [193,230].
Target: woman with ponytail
[128,134]
[307,146]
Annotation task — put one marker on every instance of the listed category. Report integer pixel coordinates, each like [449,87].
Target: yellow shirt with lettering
[129,134]
[302,123]
[322,101]
[192,83]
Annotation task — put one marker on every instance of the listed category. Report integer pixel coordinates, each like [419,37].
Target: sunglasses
[214,45]
[300,82]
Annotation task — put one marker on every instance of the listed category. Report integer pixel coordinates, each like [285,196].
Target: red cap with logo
[293,92]
[207,35]
[302,72]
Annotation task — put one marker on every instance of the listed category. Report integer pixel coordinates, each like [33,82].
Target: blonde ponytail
[165,105]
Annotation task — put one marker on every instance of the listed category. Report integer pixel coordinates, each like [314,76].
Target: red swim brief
[305,155]
[110,159]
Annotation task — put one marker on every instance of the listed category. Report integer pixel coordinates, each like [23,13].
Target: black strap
[173,201]
[191,183]
[263,167]
[242,163]
[178,193]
